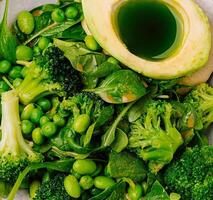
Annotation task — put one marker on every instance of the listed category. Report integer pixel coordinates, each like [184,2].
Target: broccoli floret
[47,74]
[201,97]
[191,175]
[15,153]
[53,189]
[153,136]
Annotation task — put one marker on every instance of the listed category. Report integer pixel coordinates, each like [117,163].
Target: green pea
[34,186]
[37,136]
[24,71]
[5,66]
[45,104]
[27,111]
[36,115]
[71,12]
[84,167]
[15,72]
[91,43]
[44,120]
[86,182]
[103,182]
[135,193]
[43,43]
[3,86]
[49,129]
[58,15]
[27,127]
[72,186]
[58,120]
[113,60]
[26,22]
[81,123]
[24,53]
[17,82]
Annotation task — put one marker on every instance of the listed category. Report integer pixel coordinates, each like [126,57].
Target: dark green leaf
[119,193]
[88,135]
[105,115]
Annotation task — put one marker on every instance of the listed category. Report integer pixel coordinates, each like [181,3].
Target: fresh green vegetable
[37,136]
[27,127]
[4,189]
[190,175]
[58,15]
[84,167]
[43,43]
[15,72]
[36,115]
[71,12]
[24,53]
[103,182]
[43,120]
[153,137]
[135,193]
[49,129]
[72,186]
[86,182]
[91,43]
[5,66]
[59,120]
[34,187]
[26,22]
[17,82]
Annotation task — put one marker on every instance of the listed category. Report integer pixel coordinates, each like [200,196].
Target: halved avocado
[191,51]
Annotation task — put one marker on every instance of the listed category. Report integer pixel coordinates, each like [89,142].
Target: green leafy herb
[7,39]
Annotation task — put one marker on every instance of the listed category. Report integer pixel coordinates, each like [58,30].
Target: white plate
[18,5]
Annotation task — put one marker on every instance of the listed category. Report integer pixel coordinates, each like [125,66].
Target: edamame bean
[72,186]
[24,53]
[135,193]
[27,127]
[84,167]
[27,111]
[43,43]
[81,123]
[36,115]
[49,129]
[58,15]
[37,136]
[5,66]
[103,182]
[34,186]
[45,104]
[91,43]
[113,60]
[44,120]
[86,182]
[17,82]
[71,12]
[15,72]
[26,22]
[58,120]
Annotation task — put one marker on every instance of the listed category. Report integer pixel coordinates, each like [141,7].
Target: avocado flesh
[192,53]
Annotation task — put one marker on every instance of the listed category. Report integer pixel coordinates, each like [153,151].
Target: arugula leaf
[7,39]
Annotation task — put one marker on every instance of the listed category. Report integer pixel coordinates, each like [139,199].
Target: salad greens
[76,124]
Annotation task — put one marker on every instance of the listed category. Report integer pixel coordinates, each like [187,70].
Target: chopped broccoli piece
[201,97]
[191,175]
[48,74]
[15,153]
[153,136]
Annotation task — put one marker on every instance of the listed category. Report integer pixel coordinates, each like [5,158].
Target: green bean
[34,186]
[26,22]
[81,123]
[86,182]
[103,182]
[44,103]
[72,186]
[84,167]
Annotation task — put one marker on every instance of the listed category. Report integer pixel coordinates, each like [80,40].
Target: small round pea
[86,182]
[36,115]
[84,167]
[72,186]
[26,22]
[37,136]
[91,43]
[49,129]
[58,15]
[24,71]
[17,82]
[24,53]
[44,103]
[3,86]
[113,60]
[27,127]
[81,123]
[34,186]
[44,119]
[103,182]
[58,120]
[135,193]
[43,43]
[15,72]
[26,113]
[5,66]
[71,12]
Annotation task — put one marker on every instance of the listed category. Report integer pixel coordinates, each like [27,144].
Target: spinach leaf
[7,39]
[126,165]
[120,87]
[157,193]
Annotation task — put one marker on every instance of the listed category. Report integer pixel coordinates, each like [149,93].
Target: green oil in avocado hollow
[149,28]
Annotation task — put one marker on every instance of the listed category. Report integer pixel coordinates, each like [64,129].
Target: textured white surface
[18,5]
